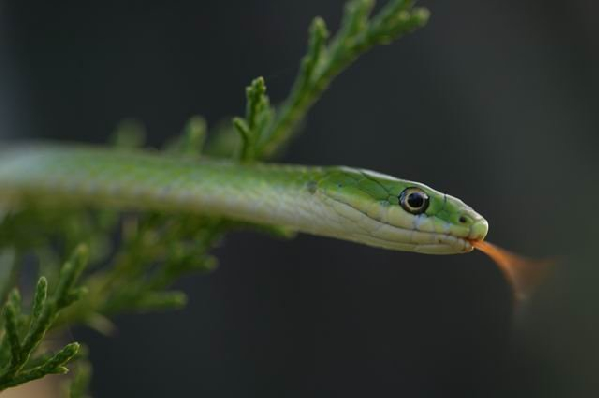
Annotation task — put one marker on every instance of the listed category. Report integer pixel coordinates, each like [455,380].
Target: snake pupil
[415,199]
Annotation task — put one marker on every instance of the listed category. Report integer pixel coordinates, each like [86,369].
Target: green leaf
[243,129]
[354,21]
[12,335]
[55,363]
[69,274]
[257,102]
[257,117]
[39,300]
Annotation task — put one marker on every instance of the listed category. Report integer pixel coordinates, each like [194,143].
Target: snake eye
[414,200]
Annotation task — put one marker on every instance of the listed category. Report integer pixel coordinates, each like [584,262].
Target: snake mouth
[468,247]
[473,242]
[476,234]
[447,244]
[399,238]
[395,238]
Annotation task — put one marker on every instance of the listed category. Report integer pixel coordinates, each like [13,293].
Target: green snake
[341,202]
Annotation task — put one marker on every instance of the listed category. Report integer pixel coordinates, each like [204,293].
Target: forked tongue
[524,273]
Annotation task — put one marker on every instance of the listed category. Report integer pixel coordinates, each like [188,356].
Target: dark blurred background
[495,102]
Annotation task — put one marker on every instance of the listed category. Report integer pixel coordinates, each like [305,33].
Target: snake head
[398,214]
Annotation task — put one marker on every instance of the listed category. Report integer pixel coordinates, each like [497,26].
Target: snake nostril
[463,219]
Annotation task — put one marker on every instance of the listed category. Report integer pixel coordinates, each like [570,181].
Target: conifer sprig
[265,129]
[23,334]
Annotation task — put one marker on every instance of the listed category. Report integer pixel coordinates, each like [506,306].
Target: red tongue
[524,273]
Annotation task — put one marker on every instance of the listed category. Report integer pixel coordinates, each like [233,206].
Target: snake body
[340,202]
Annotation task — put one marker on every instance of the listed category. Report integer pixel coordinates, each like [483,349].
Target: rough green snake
[335,201]
[341,202]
